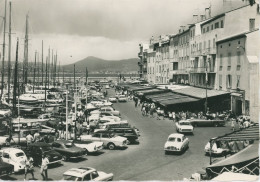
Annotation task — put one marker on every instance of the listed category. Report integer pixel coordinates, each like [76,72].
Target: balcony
[197,53]
[210,50]
[140,55]
[140,63]
[198,70]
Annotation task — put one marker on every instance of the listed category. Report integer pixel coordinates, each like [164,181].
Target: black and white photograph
[129,90]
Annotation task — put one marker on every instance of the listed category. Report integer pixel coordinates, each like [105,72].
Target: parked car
[86,174]
[129,133]
[112,99]
[122,98]
[207,122]
[5,168]
[110,140]
[37,149]
[110,110]
[89,146]
[216,149]
[67,149]
[15,157]
[176,142]
[184,126]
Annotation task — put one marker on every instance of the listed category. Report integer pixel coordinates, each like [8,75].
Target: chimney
[195,19]
[207,13]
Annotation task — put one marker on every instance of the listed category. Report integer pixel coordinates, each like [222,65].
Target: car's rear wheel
[64,157]
[111,146]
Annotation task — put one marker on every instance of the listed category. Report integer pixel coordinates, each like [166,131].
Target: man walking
[28,167]
[44,167]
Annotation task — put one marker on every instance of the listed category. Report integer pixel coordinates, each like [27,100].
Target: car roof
[62,141]
[40,144]
[182,121]
[12,150]
[178,135]
[79,172]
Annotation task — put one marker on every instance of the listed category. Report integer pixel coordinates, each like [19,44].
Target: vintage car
[216,149]
[14,156]
[111,116]
[110,110]
[86,174]
[37,149]
[67,149]
[122,98]
[127,132]
[5,168]
[112,99]
[110,140]
[176,142]
[103,103]
[89,146]
[184,126]
[207,122]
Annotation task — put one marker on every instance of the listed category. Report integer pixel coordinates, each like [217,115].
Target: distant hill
[97,65]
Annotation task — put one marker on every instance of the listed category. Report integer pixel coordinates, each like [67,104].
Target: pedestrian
[37,136]
[173,116]
[28,167]
[44,167]
[233,124]
[29,139]
[158,111]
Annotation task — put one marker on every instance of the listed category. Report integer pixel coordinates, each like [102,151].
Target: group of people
[29,167]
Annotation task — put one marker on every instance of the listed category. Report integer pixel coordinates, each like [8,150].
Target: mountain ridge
[98,65]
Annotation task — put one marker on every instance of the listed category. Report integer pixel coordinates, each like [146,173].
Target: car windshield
[71,178]
[69,145]
[185,123]
[46,148]
[19,154]
[172,139]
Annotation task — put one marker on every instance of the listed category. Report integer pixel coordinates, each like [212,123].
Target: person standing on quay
[44,167]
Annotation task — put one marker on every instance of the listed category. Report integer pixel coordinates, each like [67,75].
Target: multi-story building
[174,55]
[203,50]
[238,60]
[151,57]
[143,61]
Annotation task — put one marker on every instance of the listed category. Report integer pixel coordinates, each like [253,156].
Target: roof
[231,176]
[40,144]
[199,93]
[248,153]
[78,172]
[151,91]
[237,36]
[212,19]
[179,100]
[251,133]
[176,135]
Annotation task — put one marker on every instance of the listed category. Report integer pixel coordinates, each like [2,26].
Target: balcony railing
[140,63]
[198,70]
[140,54]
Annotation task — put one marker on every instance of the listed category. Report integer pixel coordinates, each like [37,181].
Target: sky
[108,29]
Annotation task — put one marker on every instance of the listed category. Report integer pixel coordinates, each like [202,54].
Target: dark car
[207,122]
[5,168]
[127,132]
[37,149]
[68,149]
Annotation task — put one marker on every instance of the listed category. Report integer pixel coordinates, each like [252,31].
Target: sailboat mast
[34,70]
[26,51]
[52,66]
[3,56]
[9,50]
[15,77]
[48,70]
[42,62]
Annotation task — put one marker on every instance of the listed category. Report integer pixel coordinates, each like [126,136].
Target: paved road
[147,160]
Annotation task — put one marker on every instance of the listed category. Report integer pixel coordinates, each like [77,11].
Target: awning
[251,133]
[200,93]
[179,100]
[245,161]
[151,91]
[231,176]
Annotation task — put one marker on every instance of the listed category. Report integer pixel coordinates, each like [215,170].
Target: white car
[184,126]
[112,99]
[176,142]
[91,147]
[110,110]
[14,156]
[115,118]
[110,141]
[122,98]
[86,174]
[107,87]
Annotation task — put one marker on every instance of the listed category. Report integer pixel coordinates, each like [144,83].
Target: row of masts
[50,64]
